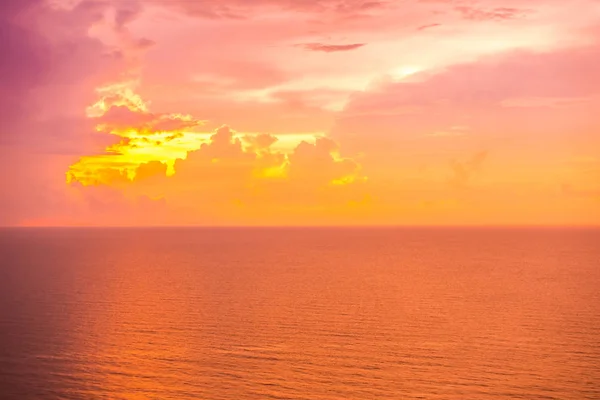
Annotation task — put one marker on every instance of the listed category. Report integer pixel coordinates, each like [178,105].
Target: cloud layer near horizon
[299,112]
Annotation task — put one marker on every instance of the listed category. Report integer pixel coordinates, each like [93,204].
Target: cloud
[482,95]
[310,164]
[241,9]
[428,26]
[49,67]
[150,169]
[48,54]
[224,81]
[141,137]
[126,12]
[260,142]
[236,75]
[531,110]
[401,133]
[331,48]
[494,14]
[24,55]
[121,118]
[463,171]
[222,145]
[245,178]
[317,163]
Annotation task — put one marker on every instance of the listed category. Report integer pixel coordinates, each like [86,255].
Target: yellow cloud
[144,137]
[224,172]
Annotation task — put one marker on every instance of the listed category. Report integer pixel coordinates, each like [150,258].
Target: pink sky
[300,112]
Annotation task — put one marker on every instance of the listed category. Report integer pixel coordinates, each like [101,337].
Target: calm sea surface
[299,314]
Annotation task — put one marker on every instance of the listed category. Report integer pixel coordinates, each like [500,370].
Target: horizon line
[392,226]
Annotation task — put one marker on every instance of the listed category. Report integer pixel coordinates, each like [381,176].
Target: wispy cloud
[494,14]
[331,48]
[428,26]
[463,171]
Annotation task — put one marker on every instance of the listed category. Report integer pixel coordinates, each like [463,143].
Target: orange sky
[300,112]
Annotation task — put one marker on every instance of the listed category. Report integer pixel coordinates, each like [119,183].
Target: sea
[300,313]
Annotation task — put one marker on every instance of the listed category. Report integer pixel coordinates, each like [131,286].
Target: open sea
[302,313]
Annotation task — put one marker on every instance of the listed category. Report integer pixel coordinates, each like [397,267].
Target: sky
[299,112]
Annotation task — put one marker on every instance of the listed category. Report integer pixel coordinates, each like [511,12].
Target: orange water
[300,314]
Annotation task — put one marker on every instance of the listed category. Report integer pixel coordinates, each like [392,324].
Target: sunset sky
[299,112]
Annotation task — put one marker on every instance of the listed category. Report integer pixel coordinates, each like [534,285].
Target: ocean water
[424,313]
